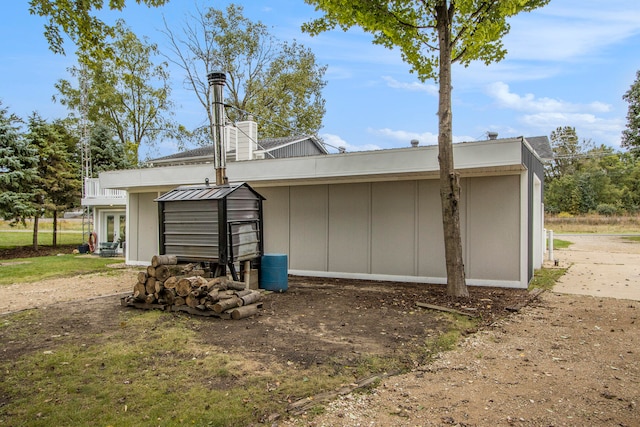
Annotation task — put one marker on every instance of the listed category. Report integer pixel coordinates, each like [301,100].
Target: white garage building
[371,215]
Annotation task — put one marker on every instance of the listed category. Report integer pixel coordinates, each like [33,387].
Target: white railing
[92,190]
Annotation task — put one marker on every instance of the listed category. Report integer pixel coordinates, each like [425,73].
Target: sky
[568,64]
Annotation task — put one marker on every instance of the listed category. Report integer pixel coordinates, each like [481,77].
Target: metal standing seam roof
[202,192]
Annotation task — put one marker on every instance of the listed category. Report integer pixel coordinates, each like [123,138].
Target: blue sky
[568,65]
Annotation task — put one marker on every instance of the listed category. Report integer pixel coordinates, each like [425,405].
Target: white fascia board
[364,165]
[103,202]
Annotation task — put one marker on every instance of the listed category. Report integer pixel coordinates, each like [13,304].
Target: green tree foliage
[432,35]
[280,84]
[127,92]
[107,153]
[568,152]
[18,173]
[585,178]
[58,183]
[77,20]
[631,135]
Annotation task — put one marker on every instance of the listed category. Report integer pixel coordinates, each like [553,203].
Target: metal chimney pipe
[216,86]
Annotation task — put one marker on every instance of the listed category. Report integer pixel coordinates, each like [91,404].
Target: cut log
[243,293]
[151,271]
[142,277]
[169,296]
[236,286]
[226,304]
[150,299]
[192,301]
[176,270]
[226,294]
[183,287]
[171,282]
[214,296]
[179,301]
[245,311]
[162,273]
[139,292]
[186,268]
[188,284]
[164,260]
[217,282]
[151,285]
[159,286]
[251,298]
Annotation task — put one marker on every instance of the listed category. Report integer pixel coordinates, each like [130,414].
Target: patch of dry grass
[596,224]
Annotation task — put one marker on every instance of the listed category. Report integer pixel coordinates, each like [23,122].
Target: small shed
[220,224]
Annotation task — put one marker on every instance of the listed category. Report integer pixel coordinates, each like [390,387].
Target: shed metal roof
[202,192]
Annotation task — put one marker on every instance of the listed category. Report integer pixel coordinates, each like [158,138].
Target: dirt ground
[561,360]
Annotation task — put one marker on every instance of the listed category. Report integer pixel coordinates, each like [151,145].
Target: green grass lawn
[561,244]
[22,270]
[13,239]
[69,233]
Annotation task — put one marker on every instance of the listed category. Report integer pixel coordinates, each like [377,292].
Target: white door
[114,228]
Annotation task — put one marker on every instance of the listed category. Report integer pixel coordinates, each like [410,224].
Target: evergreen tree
[58,181]
[107,153]
[18,173]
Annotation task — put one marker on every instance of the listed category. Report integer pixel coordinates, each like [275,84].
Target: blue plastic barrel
[274,272]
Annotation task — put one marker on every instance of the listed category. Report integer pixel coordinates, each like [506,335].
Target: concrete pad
[600,265]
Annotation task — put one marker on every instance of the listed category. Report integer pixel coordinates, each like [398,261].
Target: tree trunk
[55,229]
[449,178]
[36,220]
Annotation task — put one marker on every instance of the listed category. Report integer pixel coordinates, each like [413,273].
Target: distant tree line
[587,178]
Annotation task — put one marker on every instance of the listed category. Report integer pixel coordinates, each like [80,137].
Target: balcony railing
[92,190]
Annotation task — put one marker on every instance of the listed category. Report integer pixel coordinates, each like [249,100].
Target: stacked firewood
[183,287]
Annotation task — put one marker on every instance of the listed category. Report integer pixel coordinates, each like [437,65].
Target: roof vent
[492,135]
[414,142]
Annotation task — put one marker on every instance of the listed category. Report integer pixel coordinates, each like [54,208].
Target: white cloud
[529,103]
[602,130]
[335,141]
[404,137]
[412,87]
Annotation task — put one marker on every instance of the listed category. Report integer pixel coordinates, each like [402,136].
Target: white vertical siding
[431,262]
[350,228]
[379,230]
[308,227]
[276,215]
[393,228]
[493,228]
